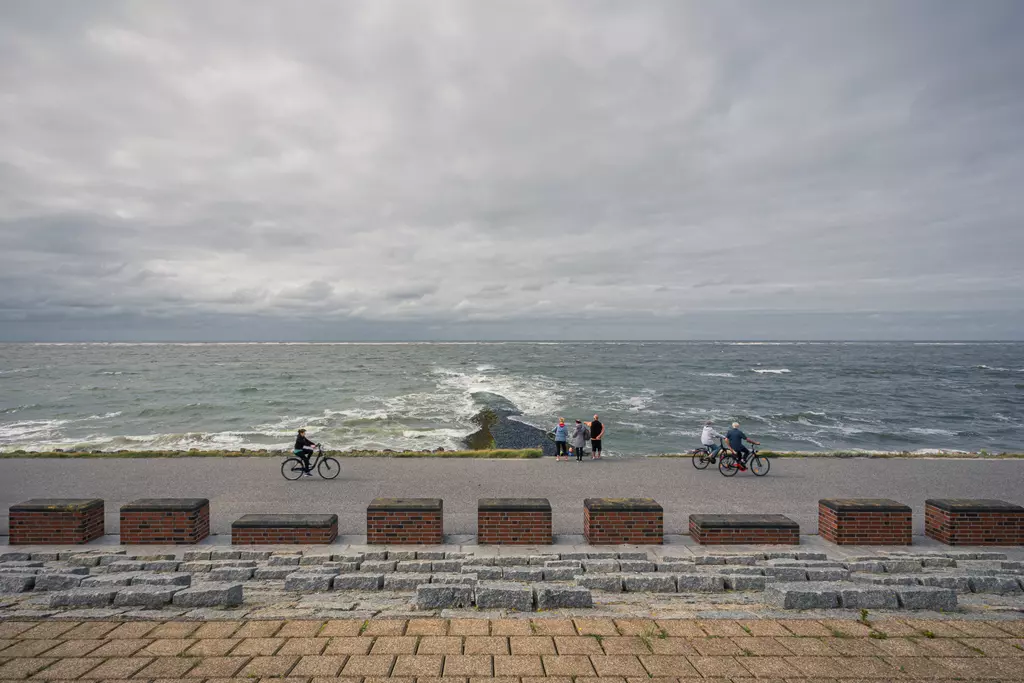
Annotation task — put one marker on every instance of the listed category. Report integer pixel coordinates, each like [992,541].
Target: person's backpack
[586,433]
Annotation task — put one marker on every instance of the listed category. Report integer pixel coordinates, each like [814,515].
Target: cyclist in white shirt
[708,436]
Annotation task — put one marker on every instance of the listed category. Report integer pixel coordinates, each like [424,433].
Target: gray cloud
[530,169]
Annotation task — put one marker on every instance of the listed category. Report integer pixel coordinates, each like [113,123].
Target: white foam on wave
[770,371]
[15,371]
[441,417]
[639,402]
[932,431]
[998,369]
[32,430]
[717,374]
[534,396]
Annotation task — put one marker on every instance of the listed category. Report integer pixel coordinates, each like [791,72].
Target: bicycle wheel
[291,469]
[700,459]
[759,466]
[329,468]
[727,466]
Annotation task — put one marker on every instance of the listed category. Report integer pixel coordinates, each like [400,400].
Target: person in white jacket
[708,436]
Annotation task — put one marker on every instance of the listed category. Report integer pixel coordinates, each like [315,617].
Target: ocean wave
[998,369]
[18,409]
[717,374]
[533,395]
[767,371]
[175,409]
[932,431]
[484,367]
[639,402]
[15,371]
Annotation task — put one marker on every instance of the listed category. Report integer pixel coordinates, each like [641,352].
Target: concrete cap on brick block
[57,505]
[165,505]
[284,521]
[972,505]
[743,522]
[514,505]
[863,505]
[406,504]
[622,505]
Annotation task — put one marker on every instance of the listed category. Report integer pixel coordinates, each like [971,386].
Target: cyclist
[707,438]
[304,449]
[736,439]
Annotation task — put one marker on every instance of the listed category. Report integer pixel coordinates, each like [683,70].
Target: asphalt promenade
[238,486]
[513,650]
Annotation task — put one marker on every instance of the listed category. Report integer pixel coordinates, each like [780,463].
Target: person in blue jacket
[561,436]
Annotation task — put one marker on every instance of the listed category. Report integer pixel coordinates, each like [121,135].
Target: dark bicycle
[702,457]
[326,466]
[732,463]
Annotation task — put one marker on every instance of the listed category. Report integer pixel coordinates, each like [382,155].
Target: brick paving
[596,650]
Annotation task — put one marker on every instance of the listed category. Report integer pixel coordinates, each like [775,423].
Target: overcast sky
[427,170]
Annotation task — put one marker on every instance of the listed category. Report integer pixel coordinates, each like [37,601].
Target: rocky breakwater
[500,426]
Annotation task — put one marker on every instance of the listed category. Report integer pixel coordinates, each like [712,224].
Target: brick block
[960,521]
[56,521]
[165,521]
[514,521]
[732,529]
[409,521]
[864,521]
[284,529]
[637,521]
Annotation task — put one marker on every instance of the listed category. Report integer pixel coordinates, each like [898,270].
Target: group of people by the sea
[574,444]
[569,445]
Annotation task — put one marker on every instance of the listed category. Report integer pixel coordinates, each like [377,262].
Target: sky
[355,170]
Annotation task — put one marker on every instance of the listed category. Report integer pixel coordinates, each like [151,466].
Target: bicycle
[731,463]
[702,457]
[326,466]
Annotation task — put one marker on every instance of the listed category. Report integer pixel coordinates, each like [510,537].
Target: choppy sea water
[652,396]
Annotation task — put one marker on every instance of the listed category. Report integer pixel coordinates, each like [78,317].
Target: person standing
[579,440]
[561,435]
[596,434]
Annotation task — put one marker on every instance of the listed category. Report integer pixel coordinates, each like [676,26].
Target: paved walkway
[238,486]
[513,650]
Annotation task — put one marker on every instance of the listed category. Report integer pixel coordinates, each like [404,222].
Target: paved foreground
[239,486]
[327,582]
[514,650]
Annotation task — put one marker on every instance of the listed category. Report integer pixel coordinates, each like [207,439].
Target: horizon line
[521,341]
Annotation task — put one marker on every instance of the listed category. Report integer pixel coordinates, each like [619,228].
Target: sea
[652,396]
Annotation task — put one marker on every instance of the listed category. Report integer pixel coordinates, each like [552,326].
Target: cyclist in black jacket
[304,449]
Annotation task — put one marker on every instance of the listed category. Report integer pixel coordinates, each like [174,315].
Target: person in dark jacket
[580,435]
[304,449]
[596,434]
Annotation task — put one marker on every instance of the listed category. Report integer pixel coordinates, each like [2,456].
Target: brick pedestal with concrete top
[639,521]
[864,521]
[56,521]
[154,521]
[513,521]
[731,529]
[412,521]
[961,521]
[284,529]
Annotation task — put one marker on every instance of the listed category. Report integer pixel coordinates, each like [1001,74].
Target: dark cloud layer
[333,170]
